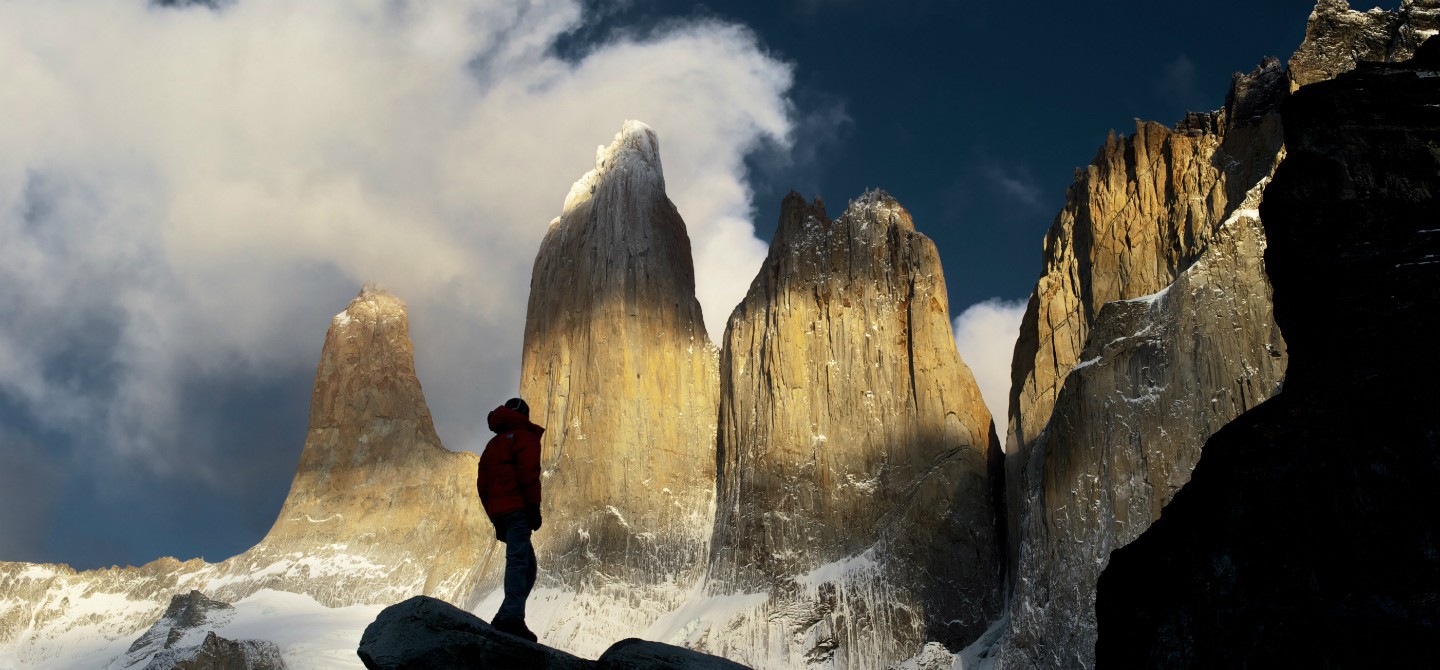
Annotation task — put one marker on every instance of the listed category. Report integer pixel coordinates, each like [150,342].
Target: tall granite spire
[619,369]
[857,459]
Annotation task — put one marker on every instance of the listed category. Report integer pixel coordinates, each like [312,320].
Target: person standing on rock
[509,486]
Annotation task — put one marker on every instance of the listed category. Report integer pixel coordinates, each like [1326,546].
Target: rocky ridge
[618,367]
[1158,375]
[852,435]
[1140,214]
[1338,37]
[1150,329]
[184,639]
[1306,537]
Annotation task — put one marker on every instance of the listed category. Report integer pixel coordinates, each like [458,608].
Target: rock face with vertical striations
[1121,375]
[1143,211]
[1160,374]
[1338,37]
[856,455]
[1309,535]
[619,369]
[1151,329]
[375,492]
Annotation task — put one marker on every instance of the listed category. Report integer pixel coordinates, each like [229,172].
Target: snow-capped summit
[618,367]
[631,161]
[185,637]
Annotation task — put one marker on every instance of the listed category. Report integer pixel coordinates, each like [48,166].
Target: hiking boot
[516,628]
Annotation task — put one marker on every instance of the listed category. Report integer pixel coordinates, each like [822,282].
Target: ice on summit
[635,153]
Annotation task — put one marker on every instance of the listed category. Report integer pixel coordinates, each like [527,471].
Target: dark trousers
[520,567]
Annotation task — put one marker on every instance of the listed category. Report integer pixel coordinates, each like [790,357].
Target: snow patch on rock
[634,155]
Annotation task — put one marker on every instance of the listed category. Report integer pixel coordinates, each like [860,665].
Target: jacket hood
[504,419]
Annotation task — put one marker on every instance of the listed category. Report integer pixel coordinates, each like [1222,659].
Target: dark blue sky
[974,116]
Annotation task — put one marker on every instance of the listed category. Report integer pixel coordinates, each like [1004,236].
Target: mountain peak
[877,206]
[372,303]
[367,366]
[632,158]
[374,483]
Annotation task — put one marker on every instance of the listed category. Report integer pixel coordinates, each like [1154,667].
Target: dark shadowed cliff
[1309,532]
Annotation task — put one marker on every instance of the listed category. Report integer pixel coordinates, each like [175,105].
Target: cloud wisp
[985,335]
[1179,85]
[188,193]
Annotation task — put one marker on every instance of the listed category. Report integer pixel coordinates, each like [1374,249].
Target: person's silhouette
[509,486]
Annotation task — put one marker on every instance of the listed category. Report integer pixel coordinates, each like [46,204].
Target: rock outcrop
[184,639]
[1337,37]
[1307,535]
[858,463]
[1160,374]
[637,654]
[218,653]
[428,634]
[619,369]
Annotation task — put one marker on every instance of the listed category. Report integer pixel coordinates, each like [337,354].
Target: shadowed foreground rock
[635,654]
[429,634]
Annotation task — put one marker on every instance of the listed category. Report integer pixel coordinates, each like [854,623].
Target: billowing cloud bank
[985,335]
[187,194]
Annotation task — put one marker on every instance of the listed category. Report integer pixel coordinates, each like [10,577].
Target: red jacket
[509,477]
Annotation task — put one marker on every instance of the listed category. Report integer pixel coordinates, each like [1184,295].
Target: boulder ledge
[431,634]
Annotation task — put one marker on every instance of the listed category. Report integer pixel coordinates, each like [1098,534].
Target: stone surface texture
[1307,535]
[375,491]
[1150,329]
[424,633]
[218,653]
[1122,375]
[618,368]
[1158,376]
[183,639]
[637,654]
[1142,212]
[856,455]
[1338,37]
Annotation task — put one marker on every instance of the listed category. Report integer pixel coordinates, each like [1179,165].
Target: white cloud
[215,184]
[985,335]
